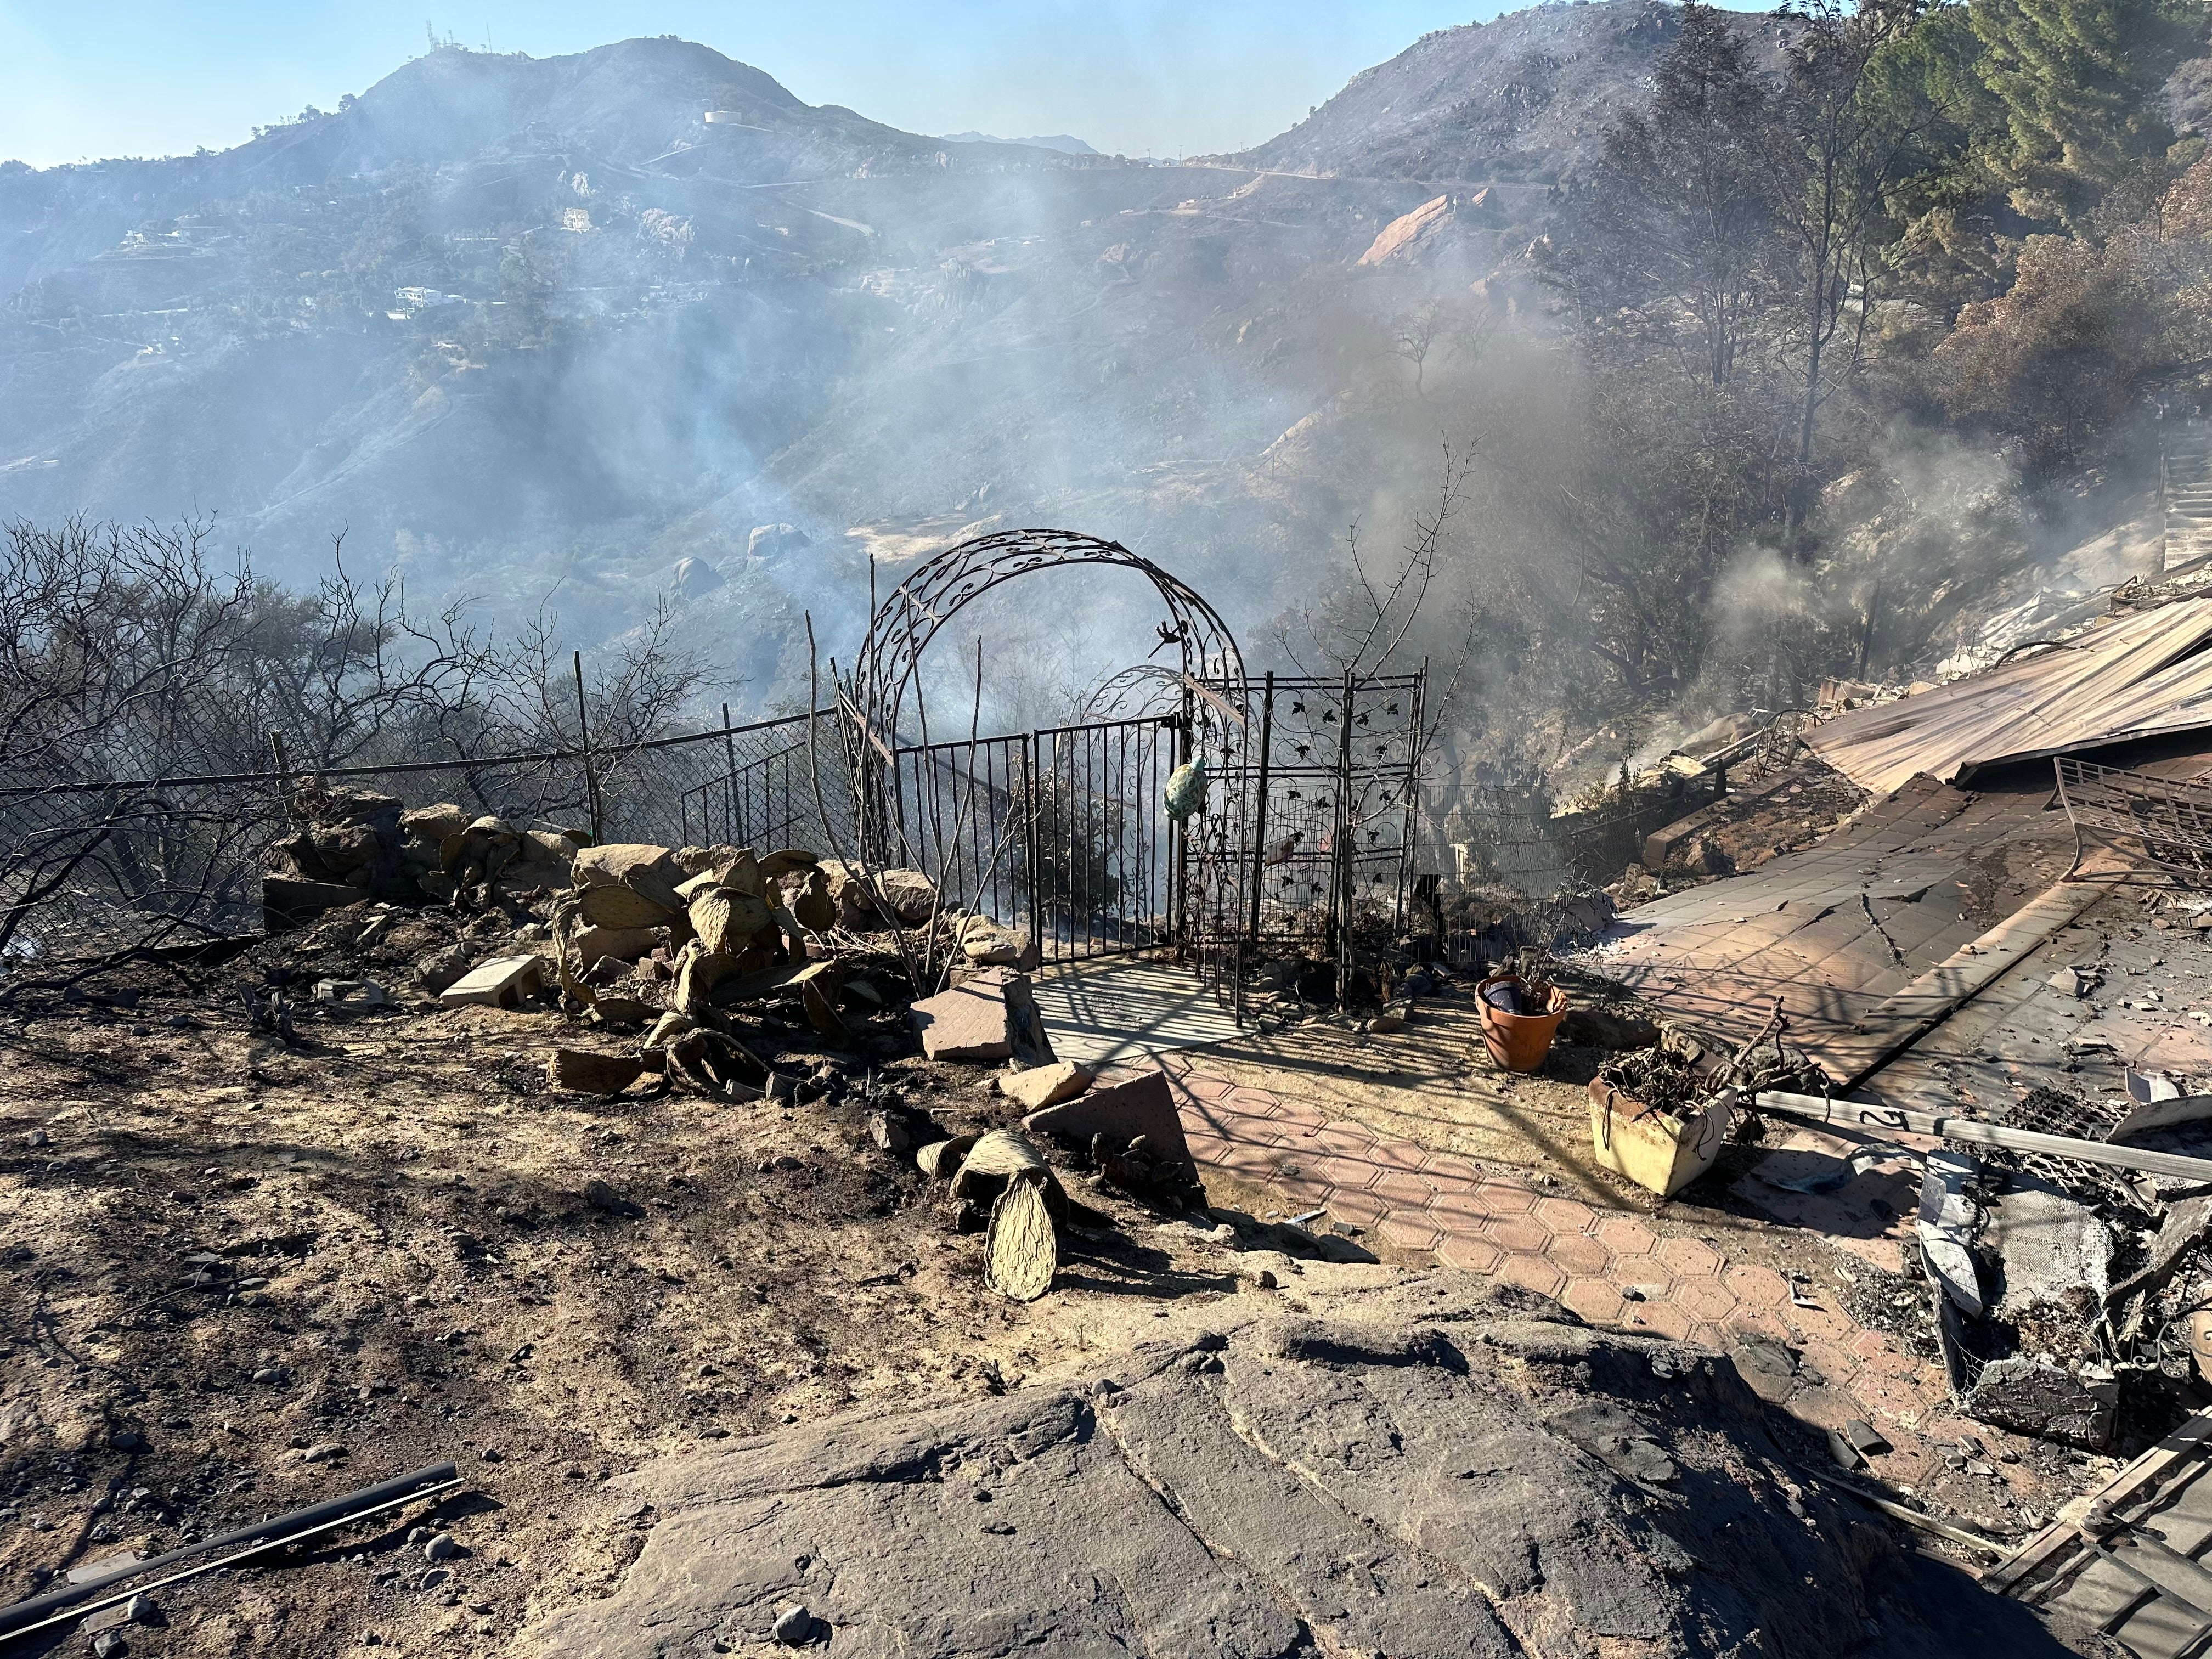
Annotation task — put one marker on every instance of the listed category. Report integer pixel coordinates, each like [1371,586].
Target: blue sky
[96,78]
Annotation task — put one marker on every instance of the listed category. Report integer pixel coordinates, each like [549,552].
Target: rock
[889,1132]
[329,1452]
[1382,1484]
[2030,1397]
[1142,1107]
[499,983]
[972,1021]
[442,1546]
[1392,1020]
[270,1375]
[910,894]
[612,905]
[776,541]
[786,862]
[433,823]
[109,1644]
[621,943]
[1045,1086]
[580,1071]
[793,1626]
[651,872]
[127,1440]
[286,903]
[694,577]
[437,971]
[142,1610]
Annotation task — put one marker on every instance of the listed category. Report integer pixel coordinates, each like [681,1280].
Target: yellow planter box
[1660,1153]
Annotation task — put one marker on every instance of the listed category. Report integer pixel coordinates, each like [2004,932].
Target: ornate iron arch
[938,589]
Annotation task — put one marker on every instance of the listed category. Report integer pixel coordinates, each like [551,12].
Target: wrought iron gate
[1060,831]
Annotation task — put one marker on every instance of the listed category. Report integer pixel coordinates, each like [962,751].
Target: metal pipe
[1893,1119]
[26,1616]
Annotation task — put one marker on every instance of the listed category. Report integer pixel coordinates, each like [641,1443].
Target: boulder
[581,1071]
[651,872]
[623,944]
[1440,1471]
[433,823]
[612,905]
[774,541]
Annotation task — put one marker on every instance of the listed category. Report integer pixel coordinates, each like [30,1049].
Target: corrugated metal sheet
[2137,677]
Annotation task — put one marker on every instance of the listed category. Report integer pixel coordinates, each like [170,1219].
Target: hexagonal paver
[1403,1231]
[1579,1253]
[1401,1190]
[1625,1235]
[1349,1175]
[1869,1344]
[1756,1286]
[1460,1208]
[1342,1140]
[1475,1256]
[1665,1319]
[1705,1299]
[1689,1258]
[1441,1166]
[1519,1232]
[1402,1155]
[1533,1273]
[1299,1190]
[1503,1197]
[1757,1322]
[1564,1215]
[1358,1209]
[1594,1299]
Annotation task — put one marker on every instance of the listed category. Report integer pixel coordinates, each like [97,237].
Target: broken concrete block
[1045,1086]
[1145,1107]
[499,983]
[580,1071]
[350,992]
[1947,1216]
[2030,1397]
[2047,1245]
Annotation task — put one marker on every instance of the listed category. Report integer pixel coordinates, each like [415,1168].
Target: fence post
[1409,849]
[730,783]
[1259,812]
[1178,898]
[1032,809]
[1340,896]
[584,741]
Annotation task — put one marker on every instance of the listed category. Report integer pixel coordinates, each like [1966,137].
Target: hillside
[1524,98]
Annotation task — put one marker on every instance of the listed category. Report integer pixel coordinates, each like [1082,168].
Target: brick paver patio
[1610,1268]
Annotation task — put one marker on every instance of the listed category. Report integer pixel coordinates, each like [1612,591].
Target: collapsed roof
[2137,676]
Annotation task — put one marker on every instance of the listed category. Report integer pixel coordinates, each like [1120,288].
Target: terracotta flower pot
[1517,1041]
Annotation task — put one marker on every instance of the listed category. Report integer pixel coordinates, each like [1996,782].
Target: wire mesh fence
[88,867]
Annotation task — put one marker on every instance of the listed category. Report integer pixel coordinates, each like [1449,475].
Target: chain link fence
[90,869]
